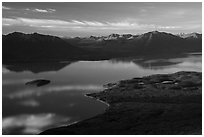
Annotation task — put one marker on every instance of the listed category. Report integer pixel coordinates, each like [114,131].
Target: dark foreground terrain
[157,104]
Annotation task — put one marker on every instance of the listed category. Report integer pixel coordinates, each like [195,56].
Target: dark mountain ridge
[34,47]
[148,44]
[38,47]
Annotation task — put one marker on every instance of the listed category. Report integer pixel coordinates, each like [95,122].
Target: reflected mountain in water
[36,67]
[46,67]
[144,62]
[158,63]
[147,64]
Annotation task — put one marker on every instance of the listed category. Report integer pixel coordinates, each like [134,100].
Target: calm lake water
[30,110]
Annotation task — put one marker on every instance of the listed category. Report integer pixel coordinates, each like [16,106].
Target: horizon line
[97,35]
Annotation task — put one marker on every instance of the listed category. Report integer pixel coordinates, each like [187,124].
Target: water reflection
[14,82]
[31,123]
[145,63]
[35,67]
[29,110]
[151,63]
[28,92]
[30,103]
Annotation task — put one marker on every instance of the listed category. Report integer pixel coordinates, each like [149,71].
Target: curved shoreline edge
[87,95]
[161,104]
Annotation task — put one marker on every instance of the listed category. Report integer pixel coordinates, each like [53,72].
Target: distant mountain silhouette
[157,44]
[165,43]
[37,47]
[149,44]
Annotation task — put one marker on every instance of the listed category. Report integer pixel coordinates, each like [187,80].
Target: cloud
[31,123]
[62,25]
[44,10]
[94,23]
[5,8]
[10,22]
[34,22]
[27,9]
[52,10]
[168,27]
[32,10]
[40,10]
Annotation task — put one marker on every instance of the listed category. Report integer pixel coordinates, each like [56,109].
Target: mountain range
[37,47]
[18,46]
[130,36]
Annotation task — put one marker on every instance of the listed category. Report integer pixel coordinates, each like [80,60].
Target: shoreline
[132,105]
[97,99]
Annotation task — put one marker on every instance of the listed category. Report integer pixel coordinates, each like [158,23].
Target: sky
[97,18]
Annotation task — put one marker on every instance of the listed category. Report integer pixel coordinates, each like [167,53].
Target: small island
[161,104]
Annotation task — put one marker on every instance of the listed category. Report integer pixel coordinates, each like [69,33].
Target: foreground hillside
[157,104]
[37,47]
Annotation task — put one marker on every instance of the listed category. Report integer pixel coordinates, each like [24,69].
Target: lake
[30,110]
